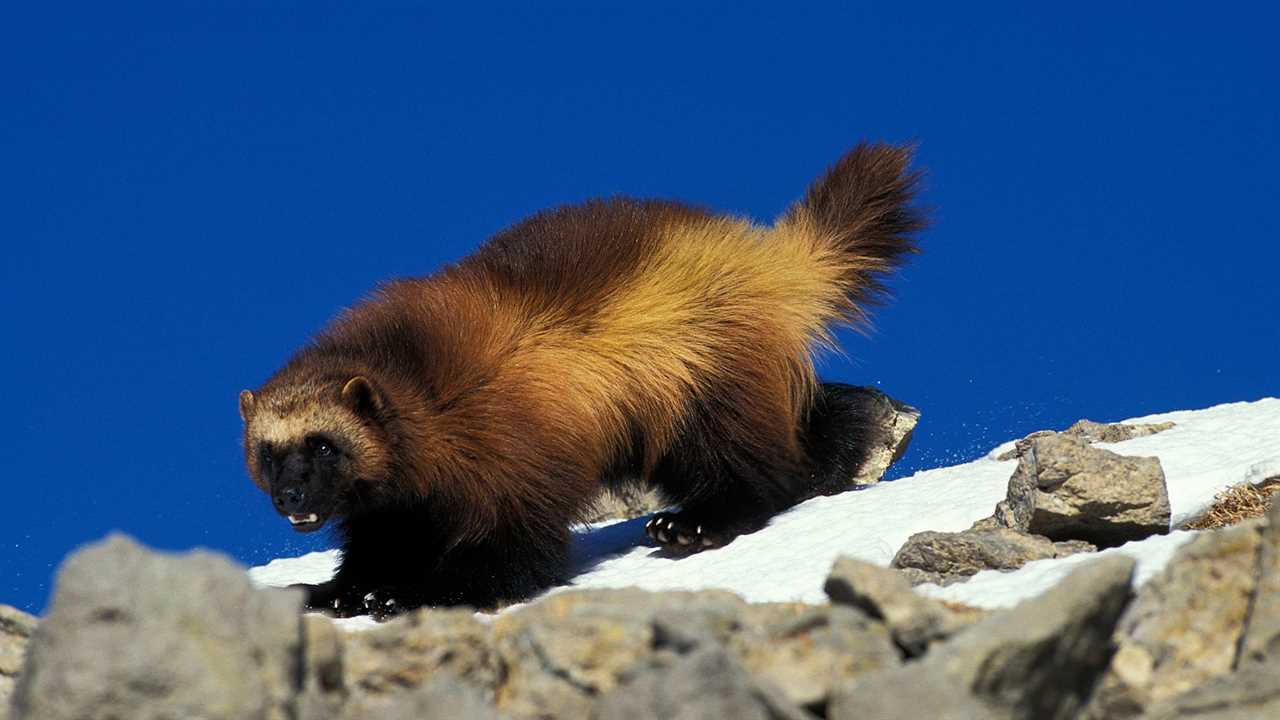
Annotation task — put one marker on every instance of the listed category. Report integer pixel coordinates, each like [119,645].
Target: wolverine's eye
[320,447]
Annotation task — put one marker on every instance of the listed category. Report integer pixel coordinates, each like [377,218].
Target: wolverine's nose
[289,500]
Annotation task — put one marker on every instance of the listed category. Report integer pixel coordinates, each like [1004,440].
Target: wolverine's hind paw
[680,536]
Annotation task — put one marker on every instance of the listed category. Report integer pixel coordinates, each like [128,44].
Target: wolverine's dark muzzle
[303,493]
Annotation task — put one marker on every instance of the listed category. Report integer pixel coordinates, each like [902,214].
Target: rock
[908,693]
[1021,446]
[968,552]
[137,634]
[914,621]
[1063,548]
[807,656]
[706,683]
[1066,490]
[15,631]
[1090,432]
[441,698]
[1249,694]
[1037,660]
[890,424]
[916,576]
[1261,641]
[409,650]
[565,650]
[1184,627]
[1042,658]
[324,689]
[1093,432]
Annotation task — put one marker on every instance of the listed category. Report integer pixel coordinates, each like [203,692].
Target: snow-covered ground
[1207,451]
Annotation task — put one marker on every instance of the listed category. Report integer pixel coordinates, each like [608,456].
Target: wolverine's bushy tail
[861,216]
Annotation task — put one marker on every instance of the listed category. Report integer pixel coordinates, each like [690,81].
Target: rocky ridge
[188,636]
[134,633]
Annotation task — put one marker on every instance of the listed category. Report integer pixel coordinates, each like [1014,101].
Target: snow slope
[1207,451]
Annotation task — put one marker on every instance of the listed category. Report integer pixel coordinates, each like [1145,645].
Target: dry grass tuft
[1238,503]
[966,612]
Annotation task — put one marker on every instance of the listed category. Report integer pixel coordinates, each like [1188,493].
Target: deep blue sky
[188,194]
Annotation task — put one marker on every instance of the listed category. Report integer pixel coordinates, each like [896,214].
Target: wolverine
[453,427]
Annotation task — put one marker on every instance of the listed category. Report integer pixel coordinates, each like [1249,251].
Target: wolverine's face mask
[308,445]
[305,480]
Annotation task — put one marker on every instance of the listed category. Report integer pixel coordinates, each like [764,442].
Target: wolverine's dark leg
[482,574]
[509,567]
[845,422]
[374,556]
[397,560]
[728,471]
[727,488]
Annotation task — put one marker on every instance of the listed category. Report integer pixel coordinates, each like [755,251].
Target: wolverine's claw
[677,537]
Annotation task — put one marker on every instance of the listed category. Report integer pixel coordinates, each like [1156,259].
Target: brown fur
[597,340]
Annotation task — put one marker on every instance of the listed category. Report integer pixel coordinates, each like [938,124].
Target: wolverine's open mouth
[306,523]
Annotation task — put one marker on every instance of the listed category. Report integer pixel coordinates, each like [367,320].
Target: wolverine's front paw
[680,535]
[332,599]
[384,603]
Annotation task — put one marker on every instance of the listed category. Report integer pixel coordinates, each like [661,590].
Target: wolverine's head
[313,444]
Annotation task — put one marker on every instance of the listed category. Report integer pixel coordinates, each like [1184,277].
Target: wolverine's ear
[246,405]
[361,396]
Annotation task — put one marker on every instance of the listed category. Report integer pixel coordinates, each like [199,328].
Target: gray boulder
[1184,627]
[909,693]
[1093,432]
[140,635]
[409,650]
[563,652]
[1261,640]
[913,620]
[15,631]
[1037,660]
[807,655]
[1090,432]
[440,698]
[1042,658]
[705,683]
[1249,694]
[569,648]
[1066,490]
[890,424]
[968,552]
